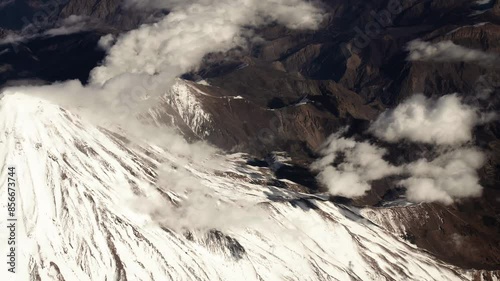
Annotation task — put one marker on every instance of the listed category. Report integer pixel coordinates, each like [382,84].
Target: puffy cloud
[450,176]
[447,51]
[347,167]
[106,41]
[445,121]
[360,163]
[192,29]
[182,200]
[343,183]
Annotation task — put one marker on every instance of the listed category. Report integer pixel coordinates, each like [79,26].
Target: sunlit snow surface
[76,185]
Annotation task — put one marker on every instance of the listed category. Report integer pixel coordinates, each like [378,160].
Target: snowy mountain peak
[96,207]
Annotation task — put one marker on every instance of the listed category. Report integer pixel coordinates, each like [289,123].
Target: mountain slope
[93,207]
[287,92]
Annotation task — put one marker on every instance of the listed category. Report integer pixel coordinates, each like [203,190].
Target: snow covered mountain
[94,205]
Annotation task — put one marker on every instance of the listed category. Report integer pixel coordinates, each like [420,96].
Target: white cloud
[448,51]
[177,43]
[106,41]
[192,204]
[445,121]
[342,183]
[361,163]
[347,168]
[452,175]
